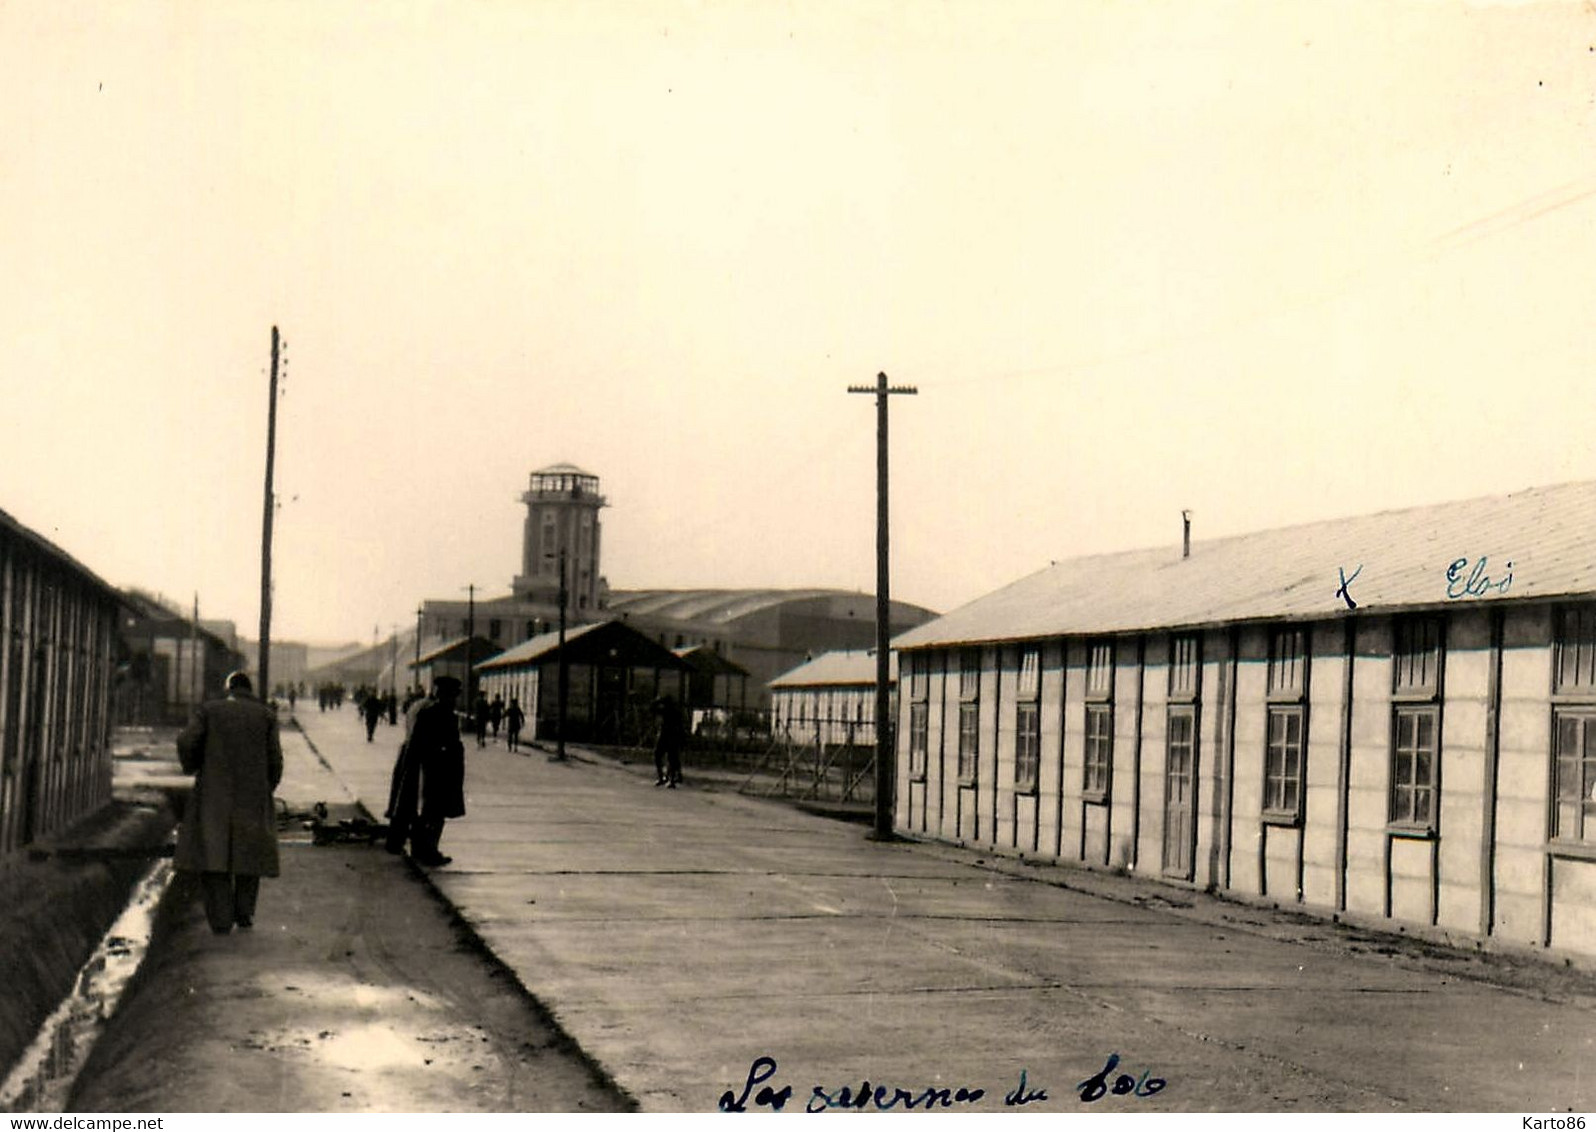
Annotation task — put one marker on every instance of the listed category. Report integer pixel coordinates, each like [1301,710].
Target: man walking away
[479,719]
[229,831]
[373,709]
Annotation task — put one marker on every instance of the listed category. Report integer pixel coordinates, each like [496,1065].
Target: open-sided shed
[613,675]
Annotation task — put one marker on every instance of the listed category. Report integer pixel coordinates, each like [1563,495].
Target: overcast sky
[1271,262]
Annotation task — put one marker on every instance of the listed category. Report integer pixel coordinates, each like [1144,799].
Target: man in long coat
[229,831]
[429,773]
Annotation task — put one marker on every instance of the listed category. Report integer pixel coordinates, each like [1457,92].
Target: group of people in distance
[228,836]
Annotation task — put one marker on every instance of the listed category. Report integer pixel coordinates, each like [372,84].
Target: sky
[1268,262]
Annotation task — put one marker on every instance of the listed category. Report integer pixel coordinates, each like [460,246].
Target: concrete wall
[1343,856]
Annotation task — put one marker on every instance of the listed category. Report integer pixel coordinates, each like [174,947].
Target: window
[550,565]
[919,716]
[1413,768]
[1099,751]
[1286,725]
[1575,657]
[1416,659]
[969,675]
[1576,776]
[1283,765]
[919,711]
[1028,720]
[1184,670]
[1100,670]
[919,676]
[1099,754]
[969,715]
[1288,663]
[969,741]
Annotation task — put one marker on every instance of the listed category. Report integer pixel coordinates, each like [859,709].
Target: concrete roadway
[679,935]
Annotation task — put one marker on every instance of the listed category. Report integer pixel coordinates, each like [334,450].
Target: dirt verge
[357,990]
[59,898]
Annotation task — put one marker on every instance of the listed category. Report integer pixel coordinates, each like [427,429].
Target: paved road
[678,936]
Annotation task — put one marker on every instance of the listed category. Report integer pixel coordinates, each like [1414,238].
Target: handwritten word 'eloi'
[1478,583]
[884,1098]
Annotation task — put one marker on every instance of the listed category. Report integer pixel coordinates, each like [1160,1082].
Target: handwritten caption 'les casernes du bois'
[759,1094]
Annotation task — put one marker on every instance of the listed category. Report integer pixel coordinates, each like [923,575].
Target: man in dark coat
[429,775]
[229,832]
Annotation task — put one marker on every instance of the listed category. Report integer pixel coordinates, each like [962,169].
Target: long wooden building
[1389,718]
[58,625]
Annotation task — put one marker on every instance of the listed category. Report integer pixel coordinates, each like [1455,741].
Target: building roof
[705,659]
[839,668]
[602,642]
[563,469]
[722,606]
[1537,543]
[452,651]
[50,550]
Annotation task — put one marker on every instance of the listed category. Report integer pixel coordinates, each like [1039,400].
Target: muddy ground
[356,991]
[59,897]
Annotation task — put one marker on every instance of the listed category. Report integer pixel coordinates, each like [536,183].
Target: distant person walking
[514,720]
[668,745]
[496,713]
[429,776]
[479,719]
[372,706]
[229,831]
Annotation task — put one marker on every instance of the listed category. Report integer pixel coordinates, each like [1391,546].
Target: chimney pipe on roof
[1185,540]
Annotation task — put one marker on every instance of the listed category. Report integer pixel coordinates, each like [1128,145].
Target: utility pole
[471,636]
[393,679]
[195,681]
[886,756]
[418,648]
[564,689]
[266,529]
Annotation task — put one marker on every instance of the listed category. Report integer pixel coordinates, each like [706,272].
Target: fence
[817,760]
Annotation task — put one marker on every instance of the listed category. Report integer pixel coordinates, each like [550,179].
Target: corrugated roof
[842,667]
[706,659]
[534,647]
[1541,542]
[482,647]
[710,605]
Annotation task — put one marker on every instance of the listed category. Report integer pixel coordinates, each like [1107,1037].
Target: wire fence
[829,760]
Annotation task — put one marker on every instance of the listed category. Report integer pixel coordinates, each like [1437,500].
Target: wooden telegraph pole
[563,689]
[266,530]
[886,756]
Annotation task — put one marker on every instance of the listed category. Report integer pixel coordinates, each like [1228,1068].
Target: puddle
[372,1046]
[44,1073]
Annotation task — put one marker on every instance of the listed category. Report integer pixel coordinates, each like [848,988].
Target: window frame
[1418,685]
[969,716]
[1283,791]
[1412,785]
[1097,751]
[1028,720]
[1290,776]
[919,671]
[1583,801]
